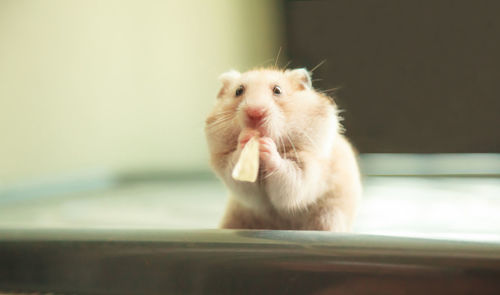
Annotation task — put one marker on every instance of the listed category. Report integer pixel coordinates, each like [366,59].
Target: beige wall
[119,84]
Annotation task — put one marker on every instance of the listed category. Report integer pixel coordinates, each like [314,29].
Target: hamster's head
[280,104]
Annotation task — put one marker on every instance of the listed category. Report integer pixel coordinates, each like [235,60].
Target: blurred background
[119,84]
[102,107]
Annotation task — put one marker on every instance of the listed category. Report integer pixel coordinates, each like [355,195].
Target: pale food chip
[247,167]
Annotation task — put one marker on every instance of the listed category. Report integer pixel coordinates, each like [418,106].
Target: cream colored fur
[309,178]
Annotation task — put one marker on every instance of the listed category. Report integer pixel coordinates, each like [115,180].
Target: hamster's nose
[255,113]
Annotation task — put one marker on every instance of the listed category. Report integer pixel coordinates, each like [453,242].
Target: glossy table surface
[241,262]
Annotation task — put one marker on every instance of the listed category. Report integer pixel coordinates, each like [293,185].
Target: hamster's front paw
[269,155]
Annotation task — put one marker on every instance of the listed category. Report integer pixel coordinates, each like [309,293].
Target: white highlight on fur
[329,139]
[229,76]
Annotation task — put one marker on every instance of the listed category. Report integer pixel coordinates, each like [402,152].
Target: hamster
[308,177]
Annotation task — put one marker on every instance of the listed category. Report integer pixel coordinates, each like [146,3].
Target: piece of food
[247,167]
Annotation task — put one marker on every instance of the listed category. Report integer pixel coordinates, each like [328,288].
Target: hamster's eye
[276,90]
[240,90]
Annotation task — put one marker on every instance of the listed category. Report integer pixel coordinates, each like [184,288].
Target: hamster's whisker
[269,174]
[293,147]
[331,89]
[287,64]
[225,113]
[281,144]
[228,115]
[219,123]
[223,118]
[283,151]
[277,57]
[265,62]
[267,121]
[327,91]
[315,145]
[318,65]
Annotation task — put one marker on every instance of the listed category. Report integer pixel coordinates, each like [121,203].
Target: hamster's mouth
[261,130]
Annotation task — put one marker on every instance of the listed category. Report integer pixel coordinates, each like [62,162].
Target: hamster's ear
[229,76]
[227,79]
[301,76]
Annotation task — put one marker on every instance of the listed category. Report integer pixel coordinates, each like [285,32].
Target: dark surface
[415,76]
[242,262]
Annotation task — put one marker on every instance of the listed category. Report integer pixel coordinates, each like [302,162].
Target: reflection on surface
[427,206]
